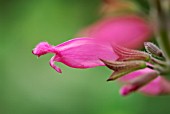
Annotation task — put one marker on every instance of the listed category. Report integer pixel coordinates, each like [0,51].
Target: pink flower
[149,85]
[77,53]
[127,30]
[89,52]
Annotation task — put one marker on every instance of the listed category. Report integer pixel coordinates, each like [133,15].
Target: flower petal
[52,61]
[128,31]
[80,53]
[42,48]
[85,53]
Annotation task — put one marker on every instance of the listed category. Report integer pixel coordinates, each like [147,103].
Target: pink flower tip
[42,48]
[127,89]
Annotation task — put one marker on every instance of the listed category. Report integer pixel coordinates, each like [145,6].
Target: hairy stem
[159,62]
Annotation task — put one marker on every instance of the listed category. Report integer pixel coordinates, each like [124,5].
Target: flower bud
[122,68]
[138,82]
[153,49]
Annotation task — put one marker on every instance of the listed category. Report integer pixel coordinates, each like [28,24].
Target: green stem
[159,62]
[160,18]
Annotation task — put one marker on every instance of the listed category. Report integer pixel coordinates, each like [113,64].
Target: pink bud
[138,82]
[149,86]
[125,90]
[159,86]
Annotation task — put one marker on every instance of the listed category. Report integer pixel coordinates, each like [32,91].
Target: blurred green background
[30,86]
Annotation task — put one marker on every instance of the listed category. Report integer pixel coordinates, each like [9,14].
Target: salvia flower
[77,53]
[126,30]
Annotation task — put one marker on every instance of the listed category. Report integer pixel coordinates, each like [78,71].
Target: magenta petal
[158,86]
[52,61]
[84,53]
[42,48]
[128,31]
[78,53]
[127,89]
